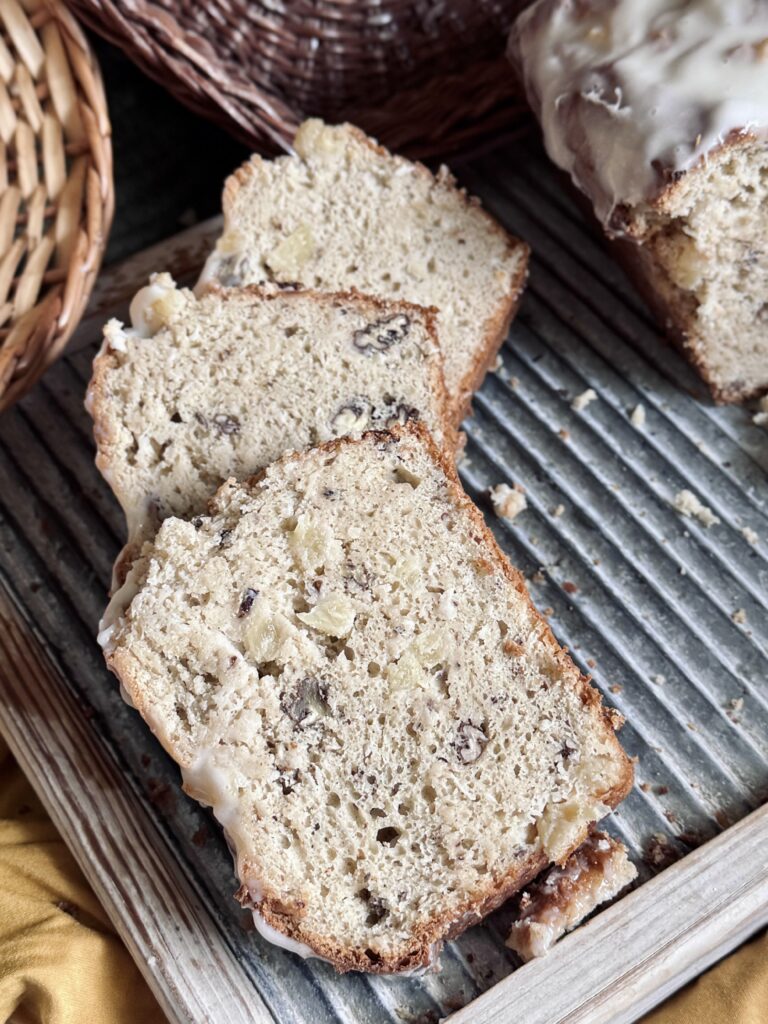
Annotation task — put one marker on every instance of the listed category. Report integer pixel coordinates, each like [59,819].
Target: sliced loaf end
[697,253]
[351,674]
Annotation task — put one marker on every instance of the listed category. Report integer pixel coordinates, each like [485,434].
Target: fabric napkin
[60,960]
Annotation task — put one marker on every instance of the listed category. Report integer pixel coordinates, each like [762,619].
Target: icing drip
[632,92]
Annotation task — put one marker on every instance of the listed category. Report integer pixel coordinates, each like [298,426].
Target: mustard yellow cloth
[61,962]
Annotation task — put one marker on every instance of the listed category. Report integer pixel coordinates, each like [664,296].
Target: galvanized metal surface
[669,616]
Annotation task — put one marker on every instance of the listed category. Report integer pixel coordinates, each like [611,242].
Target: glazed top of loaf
[630,93]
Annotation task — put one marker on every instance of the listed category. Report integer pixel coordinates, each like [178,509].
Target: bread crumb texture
[351,675]
[508,502]
[687,504]
[342,212]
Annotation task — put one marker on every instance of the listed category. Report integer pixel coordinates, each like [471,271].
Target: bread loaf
[658,110]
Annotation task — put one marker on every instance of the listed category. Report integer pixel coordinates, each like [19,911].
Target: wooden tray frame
[618,966]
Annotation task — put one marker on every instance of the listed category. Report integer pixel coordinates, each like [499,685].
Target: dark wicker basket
[426,77]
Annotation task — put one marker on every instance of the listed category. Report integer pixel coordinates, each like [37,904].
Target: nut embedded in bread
[350,673]
[201,389]
[342,212]
[659,112]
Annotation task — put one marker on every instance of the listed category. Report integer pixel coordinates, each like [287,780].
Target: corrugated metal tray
[667,615]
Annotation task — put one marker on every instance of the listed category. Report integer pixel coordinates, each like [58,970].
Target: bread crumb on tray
[581,401]
[760,418]
[508,502]
[687,504]
[637,417]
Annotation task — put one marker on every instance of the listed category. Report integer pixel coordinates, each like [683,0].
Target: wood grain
[171,935]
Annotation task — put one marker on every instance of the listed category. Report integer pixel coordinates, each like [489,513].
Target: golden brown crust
[495,332]
[428,938]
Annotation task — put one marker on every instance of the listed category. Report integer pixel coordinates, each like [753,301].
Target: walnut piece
[246,604]
[353,416]
[382,334]
[402,414]
[307,704]
[226,424]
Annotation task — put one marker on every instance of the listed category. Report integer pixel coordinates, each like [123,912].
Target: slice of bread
[203,389]
[348,670]
[344,213]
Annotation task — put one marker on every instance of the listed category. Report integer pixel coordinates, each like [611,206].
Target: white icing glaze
[126,697]
[265,929]
[115,610]
[208,784]
[210,272]
[631,92]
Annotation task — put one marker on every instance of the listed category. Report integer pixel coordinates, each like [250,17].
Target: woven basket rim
[59,156]
[471,93]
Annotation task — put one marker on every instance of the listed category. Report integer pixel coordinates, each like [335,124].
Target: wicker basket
[56,195]
[424,76]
